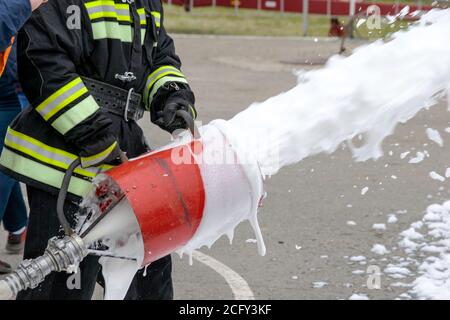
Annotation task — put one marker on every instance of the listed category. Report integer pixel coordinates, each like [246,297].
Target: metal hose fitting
[61,254]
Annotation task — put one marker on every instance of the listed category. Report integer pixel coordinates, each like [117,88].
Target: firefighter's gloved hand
[168,119]
[121,158]
[111,155]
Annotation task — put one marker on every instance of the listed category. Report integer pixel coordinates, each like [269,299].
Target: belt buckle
[127,104]
[139,113]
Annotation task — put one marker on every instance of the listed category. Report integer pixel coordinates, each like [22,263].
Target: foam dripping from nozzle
[119,231]
[233,189]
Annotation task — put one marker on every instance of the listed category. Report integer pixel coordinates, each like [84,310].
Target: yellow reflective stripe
[66,102]
[163,68]
[158,74]
[42,152]
[35,155]
[100,3]
[122,6]
[99,155]
[41,145]
[156,14]
[103,14]
[105,167]
[109,14]
[92,160]
[160,83]
[124,18]
[194,112]
[44,159]
[57,93]
[163,75]
[42,173]
[72,117]
[109,9]
[60,98]
[108,3]
[157,17]
[111,30]
[142,16]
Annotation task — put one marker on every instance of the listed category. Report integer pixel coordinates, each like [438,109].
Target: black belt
[116,100]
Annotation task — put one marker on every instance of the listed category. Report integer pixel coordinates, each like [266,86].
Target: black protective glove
[120,157]
[168,120]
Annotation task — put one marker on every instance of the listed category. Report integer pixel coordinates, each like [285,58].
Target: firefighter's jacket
[120,42]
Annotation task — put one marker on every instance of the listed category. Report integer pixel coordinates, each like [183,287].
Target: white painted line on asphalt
[240,288]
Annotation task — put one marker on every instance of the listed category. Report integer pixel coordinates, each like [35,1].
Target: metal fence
[328,7]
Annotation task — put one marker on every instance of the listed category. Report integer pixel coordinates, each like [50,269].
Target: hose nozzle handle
[186,116]
[68,231]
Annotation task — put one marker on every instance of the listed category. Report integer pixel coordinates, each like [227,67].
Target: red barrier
[338,7]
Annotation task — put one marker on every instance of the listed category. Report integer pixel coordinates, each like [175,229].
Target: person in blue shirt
[13,14]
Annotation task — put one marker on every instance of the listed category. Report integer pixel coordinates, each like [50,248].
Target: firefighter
[89,69]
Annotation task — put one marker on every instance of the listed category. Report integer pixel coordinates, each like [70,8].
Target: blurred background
[315,18]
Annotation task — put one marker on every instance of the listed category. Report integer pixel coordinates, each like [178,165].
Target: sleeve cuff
[106,155]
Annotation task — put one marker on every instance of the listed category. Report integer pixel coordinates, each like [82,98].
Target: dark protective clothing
[122,44]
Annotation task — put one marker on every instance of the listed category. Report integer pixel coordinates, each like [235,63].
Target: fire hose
[61,254]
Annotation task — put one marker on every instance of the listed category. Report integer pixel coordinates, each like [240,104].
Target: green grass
[224,21]
[362,31]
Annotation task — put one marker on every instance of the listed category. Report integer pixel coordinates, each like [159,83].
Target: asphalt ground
[305,216]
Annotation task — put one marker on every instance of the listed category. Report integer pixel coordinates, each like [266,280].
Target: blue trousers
[13,212]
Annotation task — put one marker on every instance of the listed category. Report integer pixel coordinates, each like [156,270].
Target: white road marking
[240,288]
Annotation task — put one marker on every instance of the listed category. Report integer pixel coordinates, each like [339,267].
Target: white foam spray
[369,93]
[434,136]
[425,270]
[120,232]
[232,191]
